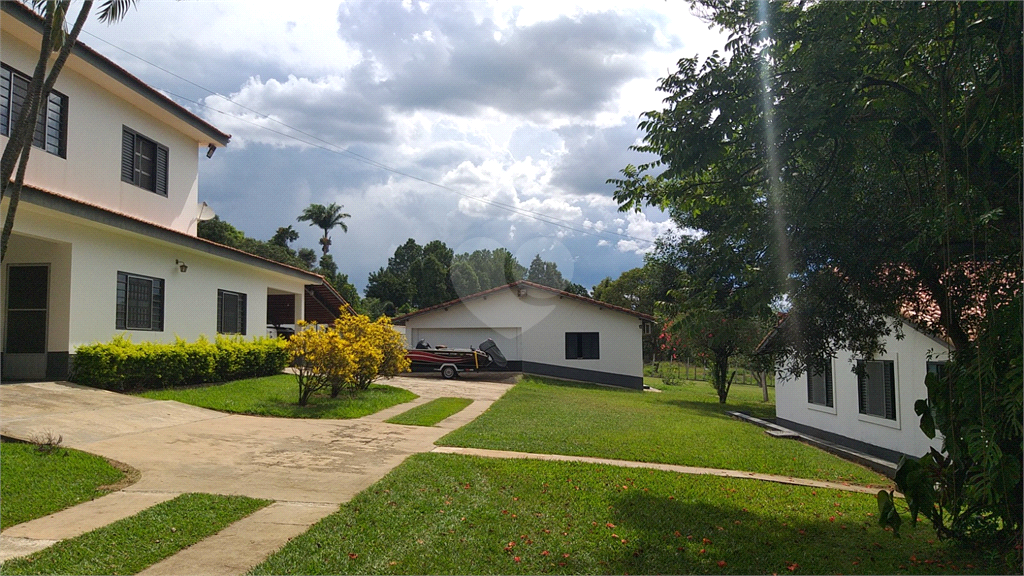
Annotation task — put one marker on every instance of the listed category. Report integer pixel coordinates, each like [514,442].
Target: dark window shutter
[161,170]
[5,101]
[810,386]
[862,388]
[828,385]
[220,311]
[127,156]
[158,305]
[591,346]
[241,314]
[890,391]
[572,348]
[19,92]
[122,301]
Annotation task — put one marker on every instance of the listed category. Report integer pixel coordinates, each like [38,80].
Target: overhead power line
[333,148]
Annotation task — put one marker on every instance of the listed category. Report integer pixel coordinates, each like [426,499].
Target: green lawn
[432,412]
[453,514]
[680,425]
[131,544]
[35,483]
[278,396]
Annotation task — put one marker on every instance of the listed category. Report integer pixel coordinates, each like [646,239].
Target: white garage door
[507,339]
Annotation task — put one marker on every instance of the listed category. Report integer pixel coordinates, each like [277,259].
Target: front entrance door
[25,332]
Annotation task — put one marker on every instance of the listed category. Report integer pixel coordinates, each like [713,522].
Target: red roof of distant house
[399,320]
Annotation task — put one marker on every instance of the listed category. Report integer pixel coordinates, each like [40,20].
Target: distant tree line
[421,276]
[415,276]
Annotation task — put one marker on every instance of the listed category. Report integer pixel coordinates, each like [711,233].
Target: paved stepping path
[307,467]
[656,466]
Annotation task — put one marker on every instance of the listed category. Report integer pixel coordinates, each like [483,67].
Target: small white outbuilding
[541,331]
[866,403]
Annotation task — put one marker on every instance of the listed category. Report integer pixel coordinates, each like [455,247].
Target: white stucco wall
[542,319]
[85,258]
[910,356]
[92,170]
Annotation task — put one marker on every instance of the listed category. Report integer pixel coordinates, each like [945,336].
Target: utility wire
[337,149]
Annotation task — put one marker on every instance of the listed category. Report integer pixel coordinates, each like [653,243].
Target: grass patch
[453,514]
[37,483]
[431,413]
[131,544]
[681,425]
[279,395]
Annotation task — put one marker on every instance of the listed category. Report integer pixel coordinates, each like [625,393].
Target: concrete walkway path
[308,467]
[657,466]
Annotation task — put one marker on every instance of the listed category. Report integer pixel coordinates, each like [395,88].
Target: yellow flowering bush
[351,353]
[378,350]
[320,357]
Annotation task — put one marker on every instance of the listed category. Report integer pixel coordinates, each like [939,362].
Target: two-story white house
[105,238]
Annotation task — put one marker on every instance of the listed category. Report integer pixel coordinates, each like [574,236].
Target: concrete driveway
[307,467]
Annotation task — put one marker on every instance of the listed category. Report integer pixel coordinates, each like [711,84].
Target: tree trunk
[719,377]
[762,381]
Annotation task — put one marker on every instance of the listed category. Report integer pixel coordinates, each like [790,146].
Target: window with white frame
[819,385]
[140,302]
[876,388]
[143,162]
[230,312]
[52,123]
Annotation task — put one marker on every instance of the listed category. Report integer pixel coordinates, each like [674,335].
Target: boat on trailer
[451,361]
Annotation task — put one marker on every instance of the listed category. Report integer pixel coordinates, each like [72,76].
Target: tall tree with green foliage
[869,154]
[327,218]
[56,39]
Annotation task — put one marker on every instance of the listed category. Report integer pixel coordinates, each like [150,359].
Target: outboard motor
[491,349]
[423,345]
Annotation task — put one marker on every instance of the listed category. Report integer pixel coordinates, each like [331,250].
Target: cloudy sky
[482,124]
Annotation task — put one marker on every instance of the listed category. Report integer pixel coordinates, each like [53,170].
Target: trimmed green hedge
[123,365]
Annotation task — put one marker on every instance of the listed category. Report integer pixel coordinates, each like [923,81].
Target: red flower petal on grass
[352,555]
[517,559]
[721,563]
[545,553]
[610,525]
[702,551]
[793,566]
[565,555]
[705,540]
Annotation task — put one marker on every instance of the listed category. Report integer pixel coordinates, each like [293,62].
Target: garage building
[541,331]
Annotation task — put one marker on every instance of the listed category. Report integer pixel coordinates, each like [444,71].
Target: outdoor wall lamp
[181,266]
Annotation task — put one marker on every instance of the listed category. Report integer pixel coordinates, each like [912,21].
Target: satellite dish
[205,212]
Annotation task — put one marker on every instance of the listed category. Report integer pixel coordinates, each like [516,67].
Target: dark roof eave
[25,15]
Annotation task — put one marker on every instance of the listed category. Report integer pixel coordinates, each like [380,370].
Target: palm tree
[56,39]
[326,217]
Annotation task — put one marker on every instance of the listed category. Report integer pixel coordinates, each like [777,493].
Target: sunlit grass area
[278,396]
[679,425]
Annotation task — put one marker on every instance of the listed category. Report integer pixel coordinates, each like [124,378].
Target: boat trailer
[451,361]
